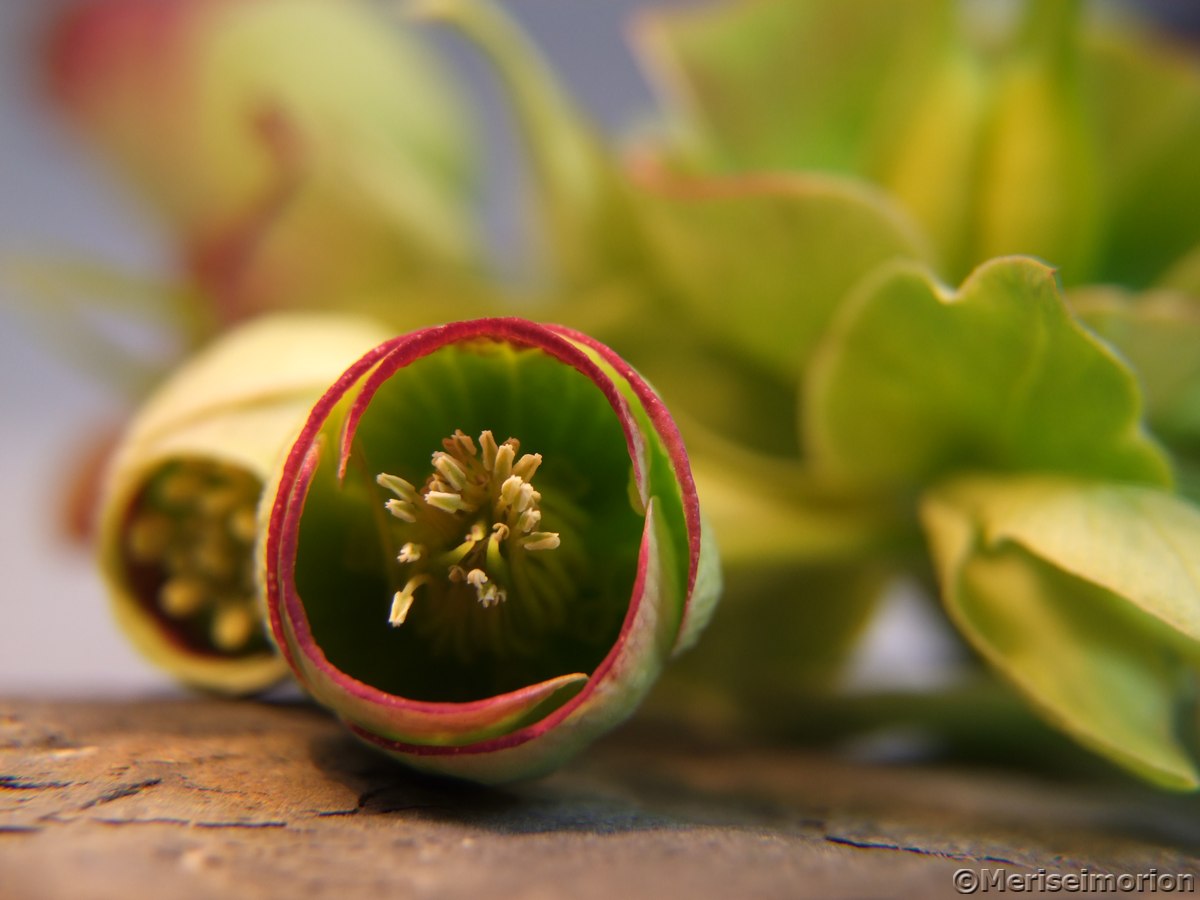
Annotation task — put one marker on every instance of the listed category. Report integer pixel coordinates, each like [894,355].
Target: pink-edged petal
[504,736]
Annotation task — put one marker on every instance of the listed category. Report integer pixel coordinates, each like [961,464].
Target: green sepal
[1085,596]
[914,381]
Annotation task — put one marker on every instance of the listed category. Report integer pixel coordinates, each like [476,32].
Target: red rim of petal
[668,433]
[372,370]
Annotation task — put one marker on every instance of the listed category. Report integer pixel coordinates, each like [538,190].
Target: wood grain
[201,798]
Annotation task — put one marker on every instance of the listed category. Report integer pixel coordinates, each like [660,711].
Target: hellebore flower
[484,545]
[177,521]
[301,150]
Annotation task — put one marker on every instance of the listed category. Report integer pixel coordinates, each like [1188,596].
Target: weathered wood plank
[198,798]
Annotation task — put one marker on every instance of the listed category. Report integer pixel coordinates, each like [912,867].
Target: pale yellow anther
[510,490]
[446,501]
[529,520]
[487,446]
[527,465]
[450,470]
[232,627]
[460,443]
[525,497]
[402,601]
[402,510]
[477,578]
[401,604]
[504,461]
[397,486]
[182,596]
[410,552]
[542,540]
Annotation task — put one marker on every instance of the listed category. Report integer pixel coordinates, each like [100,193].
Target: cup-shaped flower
[484,545]
[177,521]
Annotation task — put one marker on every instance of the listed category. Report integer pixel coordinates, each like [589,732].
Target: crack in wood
[190,823]
[16,783]
[19,829]
[121,791]
[920,851]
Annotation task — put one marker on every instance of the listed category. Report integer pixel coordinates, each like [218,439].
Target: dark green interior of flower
[188,552]
[450,646]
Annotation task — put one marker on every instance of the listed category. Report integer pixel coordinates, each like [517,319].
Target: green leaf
[1158,332]
[931,162]
[781,632]
[1184,275]
[1086,596]
[843,72]
[761,263]
[913,381]
[769,513]
[1037,183]
[1148,111]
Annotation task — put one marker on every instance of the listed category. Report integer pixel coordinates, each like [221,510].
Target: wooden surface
[188,798]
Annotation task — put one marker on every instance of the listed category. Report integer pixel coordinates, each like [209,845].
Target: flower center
[473,527]
[190,540]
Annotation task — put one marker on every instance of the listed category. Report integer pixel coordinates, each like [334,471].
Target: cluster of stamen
[488,489]
[194,530]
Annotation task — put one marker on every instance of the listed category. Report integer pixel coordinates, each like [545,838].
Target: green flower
[484,545]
